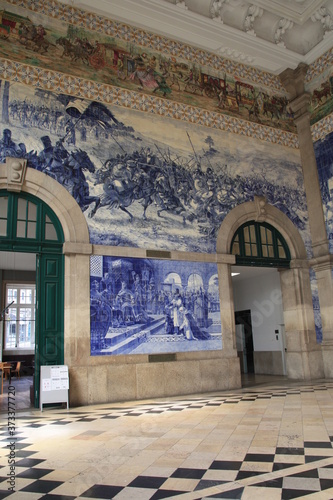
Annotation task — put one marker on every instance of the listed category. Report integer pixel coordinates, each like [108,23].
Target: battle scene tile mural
[153,183]
[150,306]
[324,158]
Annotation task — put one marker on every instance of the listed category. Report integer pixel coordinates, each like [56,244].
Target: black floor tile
[189,473]
[281,466]
[21,446]
[225,465]
[208,483]
[317,444]
[165,494]
[62,422]
[57,497]
[289,451]
[288,494]
[232,494]
[244,474]
[101,491]
[5,494]
[24,453]
[312,473]
[29,462]
[259,457]
[34,473]
[313,458]
[326,483]
[148,482]
[272,483]
[41,486]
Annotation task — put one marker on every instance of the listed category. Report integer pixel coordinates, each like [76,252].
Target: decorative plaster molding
[215,10]
[324,17]
[252,13]
[181,4]
[235,54]
[283,26]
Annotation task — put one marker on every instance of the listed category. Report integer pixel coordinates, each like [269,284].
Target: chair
[17,369]
[6,368]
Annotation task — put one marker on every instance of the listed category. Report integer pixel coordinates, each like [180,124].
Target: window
[257,244]
[20,316]
[26,219]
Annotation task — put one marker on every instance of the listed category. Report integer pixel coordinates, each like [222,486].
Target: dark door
[244,318]
[49,314]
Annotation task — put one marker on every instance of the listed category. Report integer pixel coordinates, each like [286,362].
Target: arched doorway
[259,244]
[27,225]
[76,248]
[286,251]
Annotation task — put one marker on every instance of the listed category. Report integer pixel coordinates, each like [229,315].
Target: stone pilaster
[227,310]
[293,81]
[303,354]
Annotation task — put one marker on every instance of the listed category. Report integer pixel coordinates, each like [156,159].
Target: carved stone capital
[300,105]
[293,80]
[323,263]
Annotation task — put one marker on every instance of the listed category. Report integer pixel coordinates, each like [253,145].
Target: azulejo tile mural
[52,36]
[158,183]
[150,306]
[60,37]
[324,159]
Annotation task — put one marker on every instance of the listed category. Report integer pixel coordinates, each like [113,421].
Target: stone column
[293,81]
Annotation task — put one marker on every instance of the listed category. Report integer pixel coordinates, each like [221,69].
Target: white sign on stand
[54,384]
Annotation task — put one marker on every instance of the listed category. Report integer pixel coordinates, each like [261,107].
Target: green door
[27,224]
[49,315]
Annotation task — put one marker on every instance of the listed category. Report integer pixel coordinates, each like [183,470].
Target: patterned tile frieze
[142,38]
[321,129]
[86,89]
[319,66]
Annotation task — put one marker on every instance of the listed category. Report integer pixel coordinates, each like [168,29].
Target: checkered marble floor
[266,442]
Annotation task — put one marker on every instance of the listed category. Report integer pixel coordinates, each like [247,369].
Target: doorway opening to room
[33,304]
[18,290]
[260,252]
[244,338]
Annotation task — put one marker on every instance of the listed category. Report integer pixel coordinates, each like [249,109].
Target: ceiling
[270,35]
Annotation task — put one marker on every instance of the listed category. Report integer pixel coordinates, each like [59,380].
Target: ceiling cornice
[173,20]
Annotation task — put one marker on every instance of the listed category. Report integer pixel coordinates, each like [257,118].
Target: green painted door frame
[28,225]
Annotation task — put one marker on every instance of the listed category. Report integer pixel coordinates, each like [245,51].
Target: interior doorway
[18,283]
[259,320]
[245,340]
